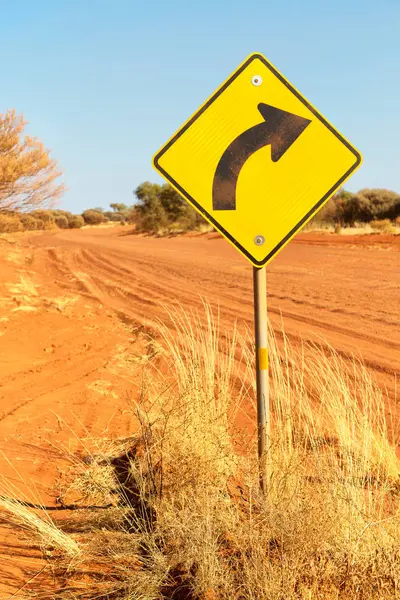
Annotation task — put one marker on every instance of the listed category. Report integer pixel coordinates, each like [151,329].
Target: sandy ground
[75,307]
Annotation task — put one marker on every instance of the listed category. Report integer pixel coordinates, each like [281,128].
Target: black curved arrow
[280,129]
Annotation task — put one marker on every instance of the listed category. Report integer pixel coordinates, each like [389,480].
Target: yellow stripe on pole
[263,359]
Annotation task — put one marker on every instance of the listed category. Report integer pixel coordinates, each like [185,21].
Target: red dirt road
[74,306]
[343,290]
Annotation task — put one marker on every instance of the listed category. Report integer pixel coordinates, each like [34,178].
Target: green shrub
[76,222]
[93,217]
[153,220]
[10,223]
[29,223]
[61,222]
[161,208]
[150,214]
[364,206]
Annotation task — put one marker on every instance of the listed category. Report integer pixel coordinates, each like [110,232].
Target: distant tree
[99,209]
[28,176]
[93,217]
[178,209]
[114,216]
[377,204]
[161,207]
[346,208]
[118,207]
[172,202]
[131,214]
[342,208]
[150,214]
[326,215]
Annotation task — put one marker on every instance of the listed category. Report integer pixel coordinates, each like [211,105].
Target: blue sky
[105,82]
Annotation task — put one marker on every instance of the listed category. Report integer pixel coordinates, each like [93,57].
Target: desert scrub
[10,223]
[382,225]
[181,512]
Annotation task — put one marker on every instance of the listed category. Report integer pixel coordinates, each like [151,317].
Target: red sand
[61,359]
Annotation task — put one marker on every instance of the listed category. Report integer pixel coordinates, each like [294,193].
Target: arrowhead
[284,128]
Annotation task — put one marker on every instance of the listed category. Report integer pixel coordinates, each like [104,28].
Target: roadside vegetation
[377,208]
[160,209]
[30,187]
[175,510]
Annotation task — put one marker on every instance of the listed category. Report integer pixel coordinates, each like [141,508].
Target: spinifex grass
[183,515]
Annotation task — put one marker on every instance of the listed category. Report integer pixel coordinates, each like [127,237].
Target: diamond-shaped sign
[257,160]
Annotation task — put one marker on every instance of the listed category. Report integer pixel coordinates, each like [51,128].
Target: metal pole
[261,335]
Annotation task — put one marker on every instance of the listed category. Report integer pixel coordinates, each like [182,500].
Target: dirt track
[74,305]
[343,290]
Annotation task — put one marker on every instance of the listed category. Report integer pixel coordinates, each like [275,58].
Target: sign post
[262,373]
[257,160]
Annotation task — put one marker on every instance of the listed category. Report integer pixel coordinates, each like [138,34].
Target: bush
[162,208]
[62,213]
[174,205]
[76,222]
[61,222]
[29,223]
[153,220]
[93,217]
[378,204]
[57,212]
[382,226]
[114,216]
[368,204]
[327,215]
[46,217]
[131,215]
[10,223]
[40,225]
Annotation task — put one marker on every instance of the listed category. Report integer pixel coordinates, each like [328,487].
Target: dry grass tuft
[182,516]
[382,225]
[48,534]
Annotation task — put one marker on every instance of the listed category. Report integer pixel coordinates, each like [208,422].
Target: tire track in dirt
[164,291]
[344,293]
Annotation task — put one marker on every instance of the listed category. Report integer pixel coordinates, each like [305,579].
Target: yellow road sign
[257,160]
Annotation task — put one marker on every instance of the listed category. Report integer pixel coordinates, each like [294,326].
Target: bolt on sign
[257,160]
